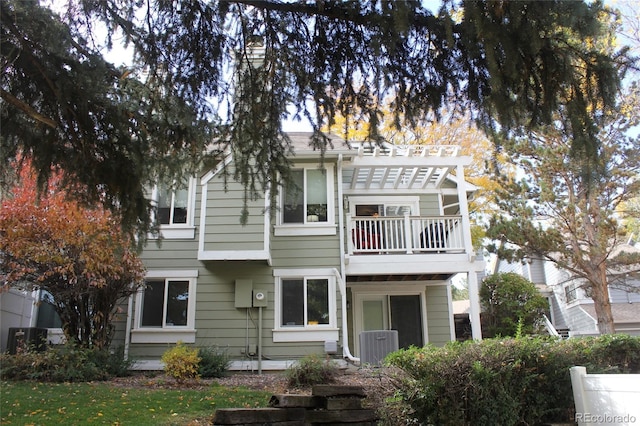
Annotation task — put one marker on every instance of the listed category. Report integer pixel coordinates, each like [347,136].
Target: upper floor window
[172,206]
[571,293]
[308,202]
[175,210]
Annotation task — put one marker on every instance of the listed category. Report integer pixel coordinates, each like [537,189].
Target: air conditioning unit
[377,344]
[32,338]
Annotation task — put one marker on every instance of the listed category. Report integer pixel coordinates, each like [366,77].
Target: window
[165,308]
[305,302]
[305,306]
[571,292]
[172,206]
[174,210]
[308,202]
[165,303]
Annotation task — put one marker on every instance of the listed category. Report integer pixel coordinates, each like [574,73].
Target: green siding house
[367,239]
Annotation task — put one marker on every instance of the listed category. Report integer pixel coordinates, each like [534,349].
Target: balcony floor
[397,277]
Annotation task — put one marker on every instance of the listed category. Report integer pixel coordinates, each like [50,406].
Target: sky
[121,56]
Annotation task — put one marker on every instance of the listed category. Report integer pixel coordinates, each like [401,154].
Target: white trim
[315,229]
[167,334]
[234,255]
[203,254]
[305,334]
[203,217]
[219,167]
[303,272]
[310,228]
[163,335]
[171,273]
[179,231]
[247,365]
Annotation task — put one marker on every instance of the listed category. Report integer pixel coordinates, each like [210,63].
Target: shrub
[214,362]
[311,370]
[181,362]
[505,381]
[67,363]
[511,305]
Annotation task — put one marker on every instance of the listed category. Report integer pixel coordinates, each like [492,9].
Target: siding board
[438,324]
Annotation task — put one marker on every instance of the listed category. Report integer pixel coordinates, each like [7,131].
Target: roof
[622,312]
[384,166]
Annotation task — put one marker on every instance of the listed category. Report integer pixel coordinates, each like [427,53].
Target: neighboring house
[572,312]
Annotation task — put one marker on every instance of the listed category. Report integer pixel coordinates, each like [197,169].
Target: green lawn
[32,403]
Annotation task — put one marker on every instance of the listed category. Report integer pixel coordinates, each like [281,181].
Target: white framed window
[165,308]
[175,210]
[305,305]
[307,205]
[571,292]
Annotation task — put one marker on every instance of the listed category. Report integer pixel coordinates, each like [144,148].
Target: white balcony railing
[405,235]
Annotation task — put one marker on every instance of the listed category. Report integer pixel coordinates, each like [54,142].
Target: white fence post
[605,398]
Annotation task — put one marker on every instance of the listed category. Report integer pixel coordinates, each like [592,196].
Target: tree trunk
[600,296]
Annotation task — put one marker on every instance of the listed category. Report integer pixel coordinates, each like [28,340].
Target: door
[394,312]
[406,317]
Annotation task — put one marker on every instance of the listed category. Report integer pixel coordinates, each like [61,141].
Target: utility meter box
[244,294]
[259,298]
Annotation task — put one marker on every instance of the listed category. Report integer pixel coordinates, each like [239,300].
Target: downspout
[341,276]
[259,339]
[127,334]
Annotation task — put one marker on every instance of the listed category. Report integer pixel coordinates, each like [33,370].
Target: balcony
[405,235]
[427,246]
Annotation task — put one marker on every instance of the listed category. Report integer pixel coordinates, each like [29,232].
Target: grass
[33,403]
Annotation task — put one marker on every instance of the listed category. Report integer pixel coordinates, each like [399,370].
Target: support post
[474,305]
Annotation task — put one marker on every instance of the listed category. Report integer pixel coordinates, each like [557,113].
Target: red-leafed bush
[78,254]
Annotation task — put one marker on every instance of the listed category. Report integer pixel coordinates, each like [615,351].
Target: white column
[464,210]
[474,305]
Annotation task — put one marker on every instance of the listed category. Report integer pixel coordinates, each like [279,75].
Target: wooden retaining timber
[327,405]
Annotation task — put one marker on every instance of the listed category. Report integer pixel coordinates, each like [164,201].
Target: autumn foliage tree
[78,254]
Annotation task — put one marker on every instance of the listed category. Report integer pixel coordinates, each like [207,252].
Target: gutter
[340,275]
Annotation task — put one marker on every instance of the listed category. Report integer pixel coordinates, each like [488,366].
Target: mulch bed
[377,382]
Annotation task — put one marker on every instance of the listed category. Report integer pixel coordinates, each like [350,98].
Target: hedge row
[505,381]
